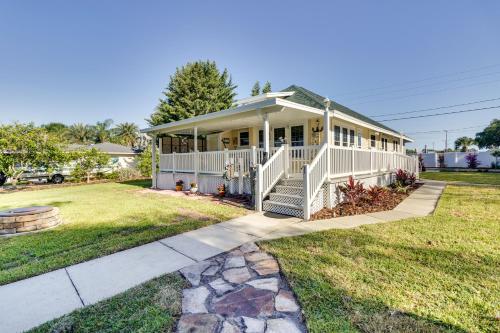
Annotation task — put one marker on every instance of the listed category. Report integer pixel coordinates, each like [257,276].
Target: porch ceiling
[278,117]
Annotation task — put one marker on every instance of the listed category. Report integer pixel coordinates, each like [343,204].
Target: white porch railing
[210,162]
[269,174]
[315,175]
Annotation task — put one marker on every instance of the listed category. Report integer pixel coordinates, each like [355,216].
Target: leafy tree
[144,162]
[80,133]
[463,143]
[490,136]
[196,88]
[102,131]
[58,130]
[256,89]
[88,162]
[266,88]
[127,133]
[25,146]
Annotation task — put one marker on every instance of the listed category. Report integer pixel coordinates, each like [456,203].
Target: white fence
[353,161]
[457,159]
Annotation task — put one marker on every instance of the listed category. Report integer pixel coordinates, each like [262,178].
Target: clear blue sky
[84,61]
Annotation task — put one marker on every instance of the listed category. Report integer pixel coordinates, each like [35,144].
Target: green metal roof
[309,98]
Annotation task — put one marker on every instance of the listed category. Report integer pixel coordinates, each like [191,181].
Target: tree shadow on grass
[140,183]
[65,245]
[333,309]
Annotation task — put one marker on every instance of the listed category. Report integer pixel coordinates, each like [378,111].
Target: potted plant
[222,190]
[179,185]
[194,187]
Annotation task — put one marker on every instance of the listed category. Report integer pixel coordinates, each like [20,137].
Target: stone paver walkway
[31,302]
[236,292]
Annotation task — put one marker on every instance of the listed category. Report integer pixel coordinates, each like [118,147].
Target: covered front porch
[288,151]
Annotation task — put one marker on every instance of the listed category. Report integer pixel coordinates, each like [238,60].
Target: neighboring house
[120,156]
[282,134]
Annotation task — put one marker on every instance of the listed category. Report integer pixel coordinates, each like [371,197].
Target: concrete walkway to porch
[30,302]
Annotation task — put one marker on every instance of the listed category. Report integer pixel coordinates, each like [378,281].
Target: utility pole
[446,141]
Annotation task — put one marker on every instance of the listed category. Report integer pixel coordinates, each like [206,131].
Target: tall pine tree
[256,89]
[196,88]
[266,88]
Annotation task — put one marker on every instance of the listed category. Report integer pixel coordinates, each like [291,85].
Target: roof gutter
[211,116]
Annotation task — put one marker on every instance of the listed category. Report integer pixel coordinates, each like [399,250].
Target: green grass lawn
[433,274]
[99,219]
[150,307]
[467,177]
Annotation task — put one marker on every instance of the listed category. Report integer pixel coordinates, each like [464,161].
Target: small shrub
[128,174]
[376,194]
[405,178]
[471,159]
[179,182]
[441,161]
[193,184]
[421,162]
[353,191]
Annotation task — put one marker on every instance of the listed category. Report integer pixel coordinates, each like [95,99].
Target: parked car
[40,175]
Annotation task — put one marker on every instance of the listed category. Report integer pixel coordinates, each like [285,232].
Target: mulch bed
[365,206]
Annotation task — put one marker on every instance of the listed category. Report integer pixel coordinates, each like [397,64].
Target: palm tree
[102,131]
[464,143]
[80,133]
[128,133]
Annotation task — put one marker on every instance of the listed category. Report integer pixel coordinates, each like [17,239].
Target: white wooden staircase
[286,198]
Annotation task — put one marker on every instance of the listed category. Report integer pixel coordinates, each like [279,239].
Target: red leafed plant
[404,178]
[353,191]
[376,194]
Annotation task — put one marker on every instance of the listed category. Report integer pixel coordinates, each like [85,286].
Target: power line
[427,85]
[443,113]
[427,92]
[442,130]
[437,108]
[420,80]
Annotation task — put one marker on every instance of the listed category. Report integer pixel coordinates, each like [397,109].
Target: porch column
[195,159]
[266,134]
[153,160]
[195,138]
[327,133]
[401,142]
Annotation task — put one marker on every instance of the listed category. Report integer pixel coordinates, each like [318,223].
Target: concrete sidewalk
[31,302]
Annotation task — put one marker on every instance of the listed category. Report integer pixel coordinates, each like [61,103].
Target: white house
[301,145]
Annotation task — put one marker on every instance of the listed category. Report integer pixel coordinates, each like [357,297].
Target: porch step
[286,198]
[292,190]
[282,208]
[296,182]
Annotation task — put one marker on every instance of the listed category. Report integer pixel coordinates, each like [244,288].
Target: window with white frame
[384,143]
[373,141]
[261,138]
[395,145]
[351,137]
[336,135]
[359,139]
[244,138]
[297,135]
[345,137]
[279,136]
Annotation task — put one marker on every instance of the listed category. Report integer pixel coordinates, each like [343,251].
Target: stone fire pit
[34,218]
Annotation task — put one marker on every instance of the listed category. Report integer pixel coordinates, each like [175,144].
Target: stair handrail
[315,174]
[268,175]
